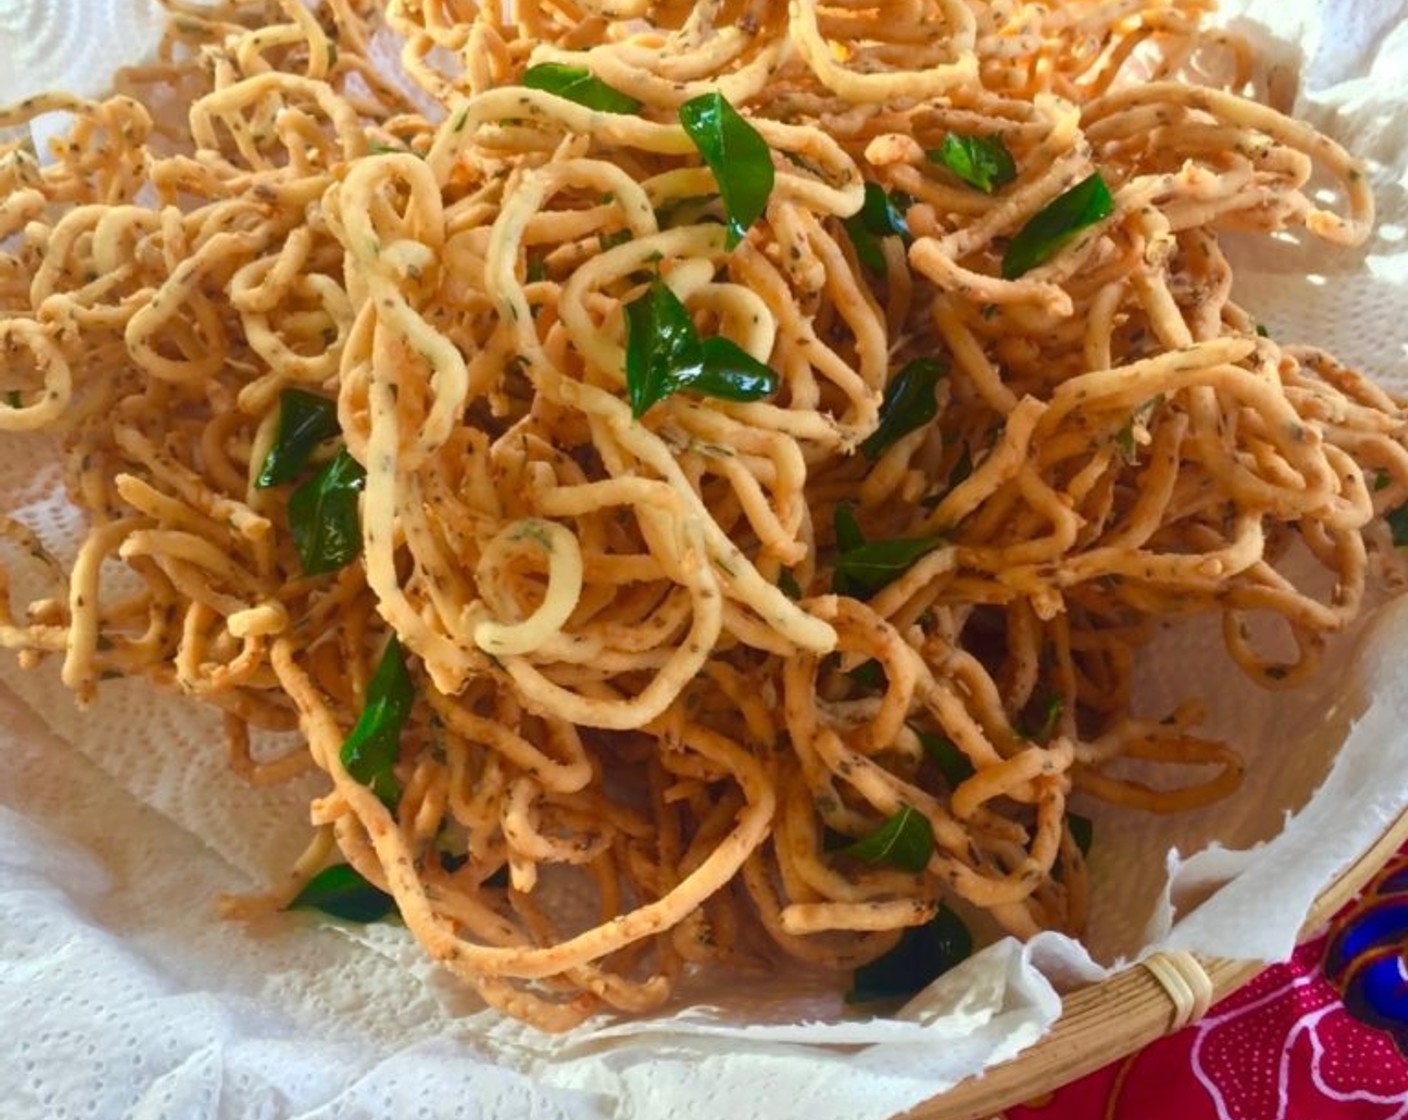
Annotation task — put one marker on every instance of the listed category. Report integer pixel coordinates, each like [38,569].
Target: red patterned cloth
[1321,1037]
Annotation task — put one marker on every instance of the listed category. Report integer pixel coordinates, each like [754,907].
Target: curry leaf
[685,211]
[305,420]
[881,215]
[1125,439]
[1125,444]
[962,467]
[737,155]
[731,373]
[848,535]
[1398,525]
[909,403]
[924,953]
[1051,718]
[323,516]
[341,892]
[870,674]
[864,567]
[577,84]
[499,878]
[664,354]
[371,748]
[980,161]
[833,841]
[876,564]
[905,841]
[1085,204]
[955,766]
[1082,831]
[662,347]
[867,245]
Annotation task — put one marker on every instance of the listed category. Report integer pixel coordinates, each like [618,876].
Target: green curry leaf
[737,155]
[1049,230]
[323,516]
[905,841]
[577,84]
[909,403]
[664,354]
[923,954]
[371,748]
[980,161]
[305,420]
[342,893]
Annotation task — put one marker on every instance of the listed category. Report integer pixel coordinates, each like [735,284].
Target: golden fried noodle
[720,522]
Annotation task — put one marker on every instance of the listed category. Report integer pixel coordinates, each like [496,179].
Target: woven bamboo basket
[1104,1022]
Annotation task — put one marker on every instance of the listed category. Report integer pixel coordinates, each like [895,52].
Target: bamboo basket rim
[1084,1038]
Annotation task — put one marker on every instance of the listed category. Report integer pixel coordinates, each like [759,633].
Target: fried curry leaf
[737,155]
[323,516]
[1398,525]
[664,354]
[1085,204]
[876,564]
[1082,831]
[980,161]
[881,215]
[955,766]
[1125,439]
[305,420]
[923,954]
[577,84]
[848,534]
[905,841]
[342,893]
[870,674]
[662,347]
[371,748]
[1050,720]
[909,403]
[731,373]
[864,567]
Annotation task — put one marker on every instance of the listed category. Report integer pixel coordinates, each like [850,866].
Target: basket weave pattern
[1104,1022]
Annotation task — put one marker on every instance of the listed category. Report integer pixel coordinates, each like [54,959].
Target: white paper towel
[117,827]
